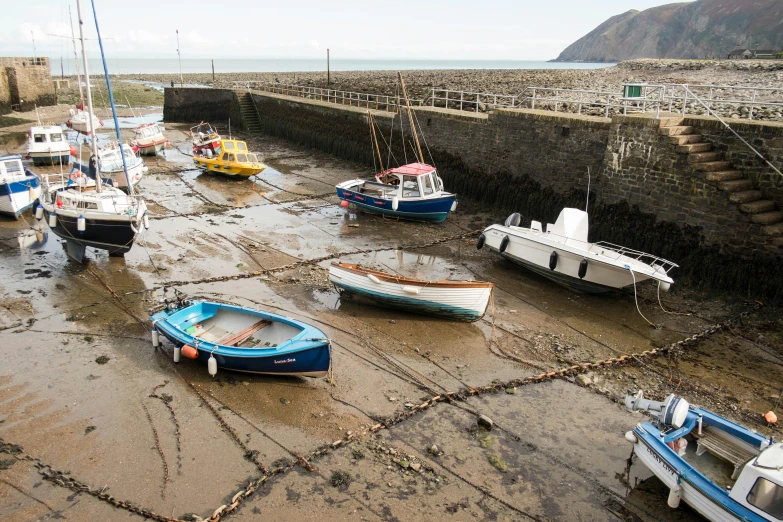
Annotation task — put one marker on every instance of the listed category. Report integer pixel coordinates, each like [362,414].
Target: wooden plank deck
[725,450]
[238,338]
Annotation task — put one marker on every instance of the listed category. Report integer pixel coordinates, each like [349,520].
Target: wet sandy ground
[83,391]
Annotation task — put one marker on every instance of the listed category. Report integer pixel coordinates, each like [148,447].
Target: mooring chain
[160,451]
[166,400]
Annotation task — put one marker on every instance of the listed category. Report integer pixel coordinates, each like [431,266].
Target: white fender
[212,365]
[675,495]
[52,219]
[395,203]
[413,290]
[373,279]
[663,285]
[454,206]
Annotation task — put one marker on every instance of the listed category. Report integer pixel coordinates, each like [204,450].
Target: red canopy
[413,169]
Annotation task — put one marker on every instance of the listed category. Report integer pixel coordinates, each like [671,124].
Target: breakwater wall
[644,193]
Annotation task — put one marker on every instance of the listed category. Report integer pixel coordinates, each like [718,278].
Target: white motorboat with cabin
[563,254]
[111,167]
[47,145]
[725,471]
[148,139]
[19,188]
[85,212]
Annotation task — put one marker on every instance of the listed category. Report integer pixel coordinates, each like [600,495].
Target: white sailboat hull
[457,302]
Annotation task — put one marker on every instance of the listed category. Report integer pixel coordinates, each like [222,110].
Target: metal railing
[354,99]
[698,99]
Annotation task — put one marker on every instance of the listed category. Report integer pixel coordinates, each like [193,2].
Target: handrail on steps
[712,113]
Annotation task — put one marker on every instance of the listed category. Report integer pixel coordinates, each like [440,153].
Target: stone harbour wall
[26,83]
[644,194]
[192,105]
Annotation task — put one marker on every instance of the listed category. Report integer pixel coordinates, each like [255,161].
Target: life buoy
[504,244]
[480,242]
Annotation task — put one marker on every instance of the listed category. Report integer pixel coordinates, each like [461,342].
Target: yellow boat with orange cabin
[232,158]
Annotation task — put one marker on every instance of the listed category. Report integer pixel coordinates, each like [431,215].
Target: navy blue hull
[432,210]
[113,236]
[65,159]
[311,361]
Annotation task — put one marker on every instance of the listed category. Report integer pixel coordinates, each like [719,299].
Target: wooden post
[213,70]
[328,69]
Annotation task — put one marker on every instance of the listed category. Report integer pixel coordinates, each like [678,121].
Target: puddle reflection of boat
[47,146]
[732,473]
[32,238]
[459,300]
[19,187]
[242,339]
[148,139]
[563,254]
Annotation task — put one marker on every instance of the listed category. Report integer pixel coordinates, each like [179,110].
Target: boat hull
[18,196]
[152,148]
[51,158]
[312,362]
[600,277]
[434,210]
[227,169]
[458,303]
[116,237]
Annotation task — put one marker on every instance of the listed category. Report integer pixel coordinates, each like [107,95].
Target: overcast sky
[403,29]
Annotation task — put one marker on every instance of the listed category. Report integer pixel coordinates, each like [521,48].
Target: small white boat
[19,188]
[723,470]
[110,162]
[460,300]
[47,146]
[80,121]
[563,254]
[148,139]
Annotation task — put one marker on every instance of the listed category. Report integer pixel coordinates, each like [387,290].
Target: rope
[636,300]
[661,304]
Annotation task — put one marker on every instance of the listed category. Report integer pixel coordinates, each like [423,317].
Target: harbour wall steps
[649,189]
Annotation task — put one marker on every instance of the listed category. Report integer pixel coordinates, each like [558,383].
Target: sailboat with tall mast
[413,191]
[84,211]
[80,120]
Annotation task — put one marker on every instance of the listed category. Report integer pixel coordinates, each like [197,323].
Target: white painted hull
[692,496]
[80,122]
[135,173]
[17,202]
[467,304]
[604,272]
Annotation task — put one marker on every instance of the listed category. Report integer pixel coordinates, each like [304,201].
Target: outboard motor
[671,413]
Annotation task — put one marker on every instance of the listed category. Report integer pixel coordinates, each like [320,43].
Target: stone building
[25,83]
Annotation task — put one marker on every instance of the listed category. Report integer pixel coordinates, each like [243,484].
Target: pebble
[583,380]
[485,422]
[285,401]
[433,450]
[415,466]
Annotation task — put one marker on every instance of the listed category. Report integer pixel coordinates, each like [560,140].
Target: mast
[111,101]
[94,141]
[410,117]
[76,59]
[375,141]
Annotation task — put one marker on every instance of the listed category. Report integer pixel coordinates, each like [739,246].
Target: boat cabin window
[438,183]
[768,497]
[225,156]
[230,157]
[242,158]
[57,137]
[228,145]
[410,187]
[12,167]
[252,158]
[426,184]
[39,138]
[88,205]
[241,146]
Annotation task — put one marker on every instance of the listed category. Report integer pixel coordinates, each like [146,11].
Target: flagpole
[181,83]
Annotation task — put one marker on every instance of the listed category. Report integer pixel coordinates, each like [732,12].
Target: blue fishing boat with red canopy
[413,191]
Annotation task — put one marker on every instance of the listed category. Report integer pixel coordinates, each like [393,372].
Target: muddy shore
[95,424]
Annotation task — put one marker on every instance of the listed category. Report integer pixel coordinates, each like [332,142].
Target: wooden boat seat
[724,450]
[236,339]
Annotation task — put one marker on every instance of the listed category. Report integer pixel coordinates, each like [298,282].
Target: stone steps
[737,185]
[704,157]
[250,119]
[725,175]
[683,139]
[691,148]
[745,196]
[767,218]
[773,230]
[676,130]
[758,207]
[712,166]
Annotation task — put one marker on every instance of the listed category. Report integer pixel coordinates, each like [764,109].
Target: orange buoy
[190,352]
[771,417]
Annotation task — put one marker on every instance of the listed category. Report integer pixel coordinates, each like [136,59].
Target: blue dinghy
[243,339]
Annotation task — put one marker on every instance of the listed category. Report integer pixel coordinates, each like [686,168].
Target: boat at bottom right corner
[562,253]
[723,470]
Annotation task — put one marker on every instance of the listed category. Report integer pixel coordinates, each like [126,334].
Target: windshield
[57,137]
[252,158]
